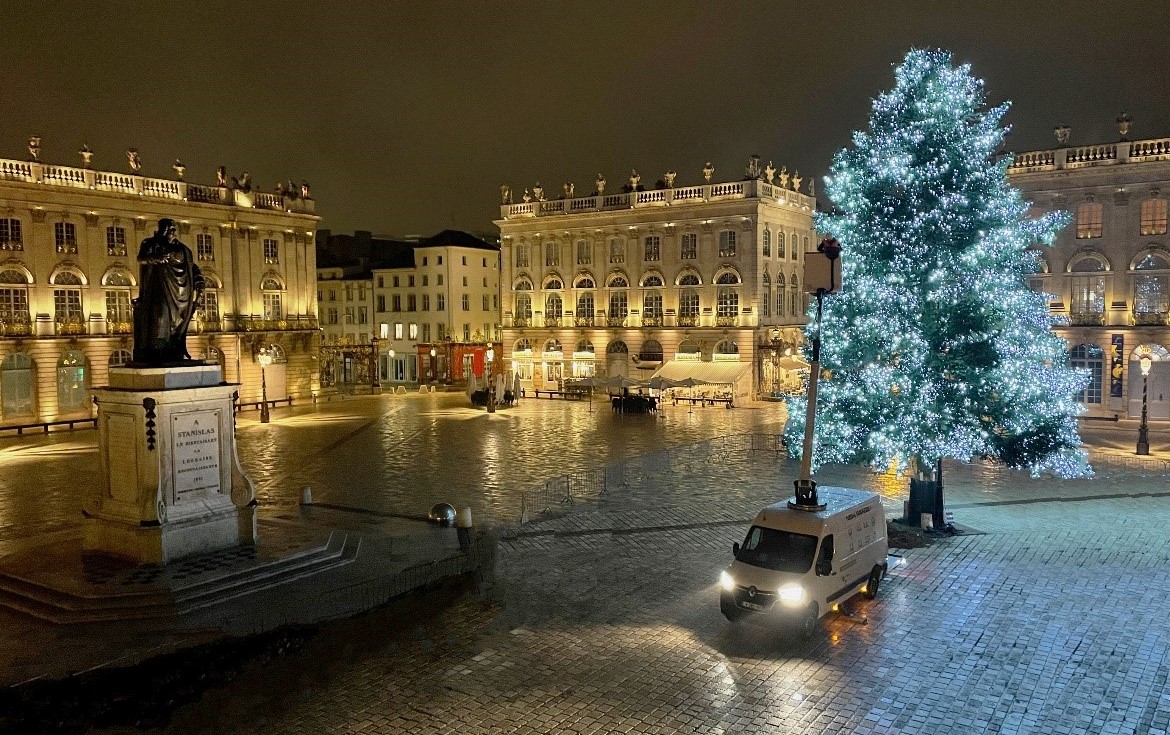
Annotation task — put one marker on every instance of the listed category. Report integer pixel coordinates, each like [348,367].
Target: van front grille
[765,600]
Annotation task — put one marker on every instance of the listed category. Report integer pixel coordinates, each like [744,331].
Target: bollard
[307,496]
[463,529]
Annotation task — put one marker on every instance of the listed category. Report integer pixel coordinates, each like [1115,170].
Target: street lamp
[265,359]
[434,375]
[390,370]
[1143,443]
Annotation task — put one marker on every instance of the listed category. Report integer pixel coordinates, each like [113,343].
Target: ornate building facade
[69,241]
[1108,274]
[698,281]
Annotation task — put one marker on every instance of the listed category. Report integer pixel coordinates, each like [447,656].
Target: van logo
[752,592]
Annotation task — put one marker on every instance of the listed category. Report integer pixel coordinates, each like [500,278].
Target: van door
[826,576]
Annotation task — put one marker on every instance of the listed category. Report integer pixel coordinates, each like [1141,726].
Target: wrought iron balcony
[1087,318]
[651,320]
[1149,318]
[71,325]
[688,320]
[521,321]
[117,326]
[552,321]
[615,321]
[725,321]
[16,326]
[583,321]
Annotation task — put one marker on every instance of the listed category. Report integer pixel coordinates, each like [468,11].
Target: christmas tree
[937,348]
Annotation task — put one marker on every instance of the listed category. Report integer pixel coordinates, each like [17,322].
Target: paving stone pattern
[1051,620]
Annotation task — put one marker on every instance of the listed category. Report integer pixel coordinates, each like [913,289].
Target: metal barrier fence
[564,491]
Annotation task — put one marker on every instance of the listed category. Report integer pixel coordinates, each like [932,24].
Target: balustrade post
[38,171]
[90,177]
[1060,158]
[139,183]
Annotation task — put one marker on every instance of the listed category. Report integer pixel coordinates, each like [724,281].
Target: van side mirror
[735,549]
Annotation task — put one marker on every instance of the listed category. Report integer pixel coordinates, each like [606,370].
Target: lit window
[271,251]
[727,244]
[115,241]
[204,247]
[1154,217]
[1088,220]
[690,246]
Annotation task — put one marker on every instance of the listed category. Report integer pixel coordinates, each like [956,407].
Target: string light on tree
[937,347]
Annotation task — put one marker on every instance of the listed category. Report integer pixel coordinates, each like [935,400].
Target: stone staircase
[61,586]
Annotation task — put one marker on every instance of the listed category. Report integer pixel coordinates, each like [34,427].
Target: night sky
[407,117]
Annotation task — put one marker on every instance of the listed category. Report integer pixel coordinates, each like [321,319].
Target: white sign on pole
[821,273]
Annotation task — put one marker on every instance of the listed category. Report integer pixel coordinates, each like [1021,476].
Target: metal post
[263,396]
[1143,442]
[806,488]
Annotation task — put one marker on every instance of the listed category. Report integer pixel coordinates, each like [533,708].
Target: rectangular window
[381,282]
[439,280]
[426,333]
[361,292]
[363,317]
[395,281]
[273,310]
[10,235]
[349,292]
[485,281]
[1088,220]
[115,241]
[397,330]
[209,306]
[67,305]
[14,304]
[410,281]
[584,253]
[331,315]
[349,315]
[467,333]
[271,251]
[411,302]
[1154,217]
[485,302]
[440,260]
[485,262]
[118,306]
[464,260]
[466,302]
[381,302]
[465,281]
[396,302]
[495,301]
[413,333]
[766,301]
[653,248]
[425,281]
[426,302]
[424,260]
[441,302]
[333,294]
[727,244]
[65,235]
[552,254]
[690,246]
[617,251]
[521,256]
[204,247]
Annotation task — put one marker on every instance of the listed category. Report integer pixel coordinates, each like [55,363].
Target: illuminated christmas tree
[937,348]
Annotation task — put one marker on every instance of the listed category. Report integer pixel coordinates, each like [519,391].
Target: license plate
[752,605]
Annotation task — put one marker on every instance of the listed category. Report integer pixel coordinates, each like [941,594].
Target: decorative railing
[725,321]
[36,172]
[11,245]
[650,356]
[1087,318]
[583,321]
[521,321]
[207,325]
[651,320]
[1149,318]
[116,250]
[16,326]
[71,325]
[688,320]
[615,321]
[1138,151]
[119,327]
[552,321]
[660,197]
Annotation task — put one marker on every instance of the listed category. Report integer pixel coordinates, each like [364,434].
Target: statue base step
[165,378]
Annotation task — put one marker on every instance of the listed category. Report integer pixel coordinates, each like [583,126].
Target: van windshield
[778,550]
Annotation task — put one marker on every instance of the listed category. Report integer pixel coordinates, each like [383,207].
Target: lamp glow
[726,581]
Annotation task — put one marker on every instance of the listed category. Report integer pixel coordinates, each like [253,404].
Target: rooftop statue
[169,287]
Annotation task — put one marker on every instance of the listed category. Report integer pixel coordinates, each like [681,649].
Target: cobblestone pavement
[1048,622]
[389,453]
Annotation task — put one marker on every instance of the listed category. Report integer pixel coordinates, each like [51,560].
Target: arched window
[794,295]
[118,358]
[212,354]
[14,316]
[728,278]
[652,281]
[689,347]
[766,297]
[523,316]
[1088,290]
[726,347]
[1151,289]
[767,243]
[553,345]
[651,351]
[727,299]
[618,281]
[117,283]
[584,281]
[779,294]
[67,311]
[1091,358]
[553,284]
[522,345]
[72,384]
[522,284]
[272,291]
[617,347]
[278,354]
[553,308]
[583,346]
[689,279]
[584,360]
[16,386]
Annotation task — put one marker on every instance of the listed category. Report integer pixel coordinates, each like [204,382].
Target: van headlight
[791,594]
[726,581]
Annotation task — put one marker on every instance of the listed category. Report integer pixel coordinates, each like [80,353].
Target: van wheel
[871,587]
[808,621]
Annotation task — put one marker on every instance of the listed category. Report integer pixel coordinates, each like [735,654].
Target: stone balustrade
[682,196]
[1137,151]
[36,172]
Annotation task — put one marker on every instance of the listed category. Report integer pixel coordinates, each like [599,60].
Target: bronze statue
[169,287]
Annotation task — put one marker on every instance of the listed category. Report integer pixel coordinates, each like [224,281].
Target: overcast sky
[407,117]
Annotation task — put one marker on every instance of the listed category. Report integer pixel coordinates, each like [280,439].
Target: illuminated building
[695,281]
[1109,270]
[68,274]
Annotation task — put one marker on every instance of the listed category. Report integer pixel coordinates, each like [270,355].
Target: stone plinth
[172,484]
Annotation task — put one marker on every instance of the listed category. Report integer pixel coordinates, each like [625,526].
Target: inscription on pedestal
[195,438]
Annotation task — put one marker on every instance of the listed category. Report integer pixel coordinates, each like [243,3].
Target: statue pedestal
[172,485]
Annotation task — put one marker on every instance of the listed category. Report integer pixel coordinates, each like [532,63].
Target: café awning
[704,373]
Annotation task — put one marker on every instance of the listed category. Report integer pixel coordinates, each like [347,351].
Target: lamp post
[487,374]
[390,373]
[265,359]
[1143,442]
[434,375]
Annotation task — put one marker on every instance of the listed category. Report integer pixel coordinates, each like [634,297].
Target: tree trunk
[925,493]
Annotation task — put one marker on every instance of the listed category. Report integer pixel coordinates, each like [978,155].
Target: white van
[798,565]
